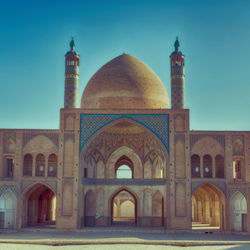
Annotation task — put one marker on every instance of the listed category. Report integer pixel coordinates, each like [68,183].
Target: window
[124,168]
[207,166]
[9,168]
[40,165]
[27,165]
[124,172]
[195,166]
[219,166]
[52,165]
[237,169]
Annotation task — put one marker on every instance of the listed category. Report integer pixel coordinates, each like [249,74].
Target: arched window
[52,165]
[207,166]
[40,165]
[27,165]
[195,166]
[219,166]
[9,167]
[124,168]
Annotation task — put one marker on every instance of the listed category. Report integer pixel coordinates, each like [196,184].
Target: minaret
[71,77]
[177,78]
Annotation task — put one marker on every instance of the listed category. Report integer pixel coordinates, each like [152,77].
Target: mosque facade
[125,157]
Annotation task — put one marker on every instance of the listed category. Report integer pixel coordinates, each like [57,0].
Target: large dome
[125,83]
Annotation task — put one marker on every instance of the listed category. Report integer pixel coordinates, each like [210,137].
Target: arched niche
[238,147]
[69,123]
[158,209]
[68,158]
[180,200]
[10,146]
[179,123]
[180,169]
[67,207]
[158,168]
[238,211]
[8,205]
[90,208]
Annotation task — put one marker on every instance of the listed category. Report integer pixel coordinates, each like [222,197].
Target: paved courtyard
[115,247]
[120,238]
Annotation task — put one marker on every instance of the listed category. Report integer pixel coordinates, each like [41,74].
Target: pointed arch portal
[39,206]
[208,205]
[238,211]
[8,204]
[123,208]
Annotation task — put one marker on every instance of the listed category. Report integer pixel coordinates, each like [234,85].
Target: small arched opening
[39,206]
[40,165]
[27,165]
[52,165]
[124,209]
[207,166]
[195,166]
[124,168]
[219,166]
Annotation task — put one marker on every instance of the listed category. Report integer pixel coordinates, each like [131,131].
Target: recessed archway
[238,210]
[208,204]
[123,208]
[39,206]
[8,204]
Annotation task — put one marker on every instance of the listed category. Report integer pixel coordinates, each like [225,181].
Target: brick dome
[125,83]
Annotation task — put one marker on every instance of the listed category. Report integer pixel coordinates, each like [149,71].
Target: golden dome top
[125,83]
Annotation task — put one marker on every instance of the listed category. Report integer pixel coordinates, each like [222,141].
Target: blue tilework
[156,123]
[12,188]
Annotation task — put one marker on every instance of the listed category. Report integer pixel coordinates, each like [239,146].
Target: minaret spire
[177,78]
[71,77]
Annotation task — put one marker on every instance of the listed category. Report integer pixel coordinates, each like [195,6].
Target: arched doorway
[238,208]
[90,209]
[39,206]
[158,209]
[8,205]
[208,204]
[124,209]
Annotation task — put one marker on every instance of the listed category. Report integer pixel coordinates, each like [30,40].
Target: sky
[214,36]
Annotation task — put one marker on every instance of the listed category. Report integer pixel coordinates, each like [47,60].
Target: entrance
[8,204]
[238,207]
[40,206]
[208,204]
[124,208]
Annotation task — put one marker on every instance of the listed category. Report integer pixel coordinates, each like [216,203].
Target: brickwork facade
[177,177]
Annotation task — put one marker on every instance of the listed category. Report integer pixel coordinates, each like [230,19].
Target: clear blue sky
[214,36]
